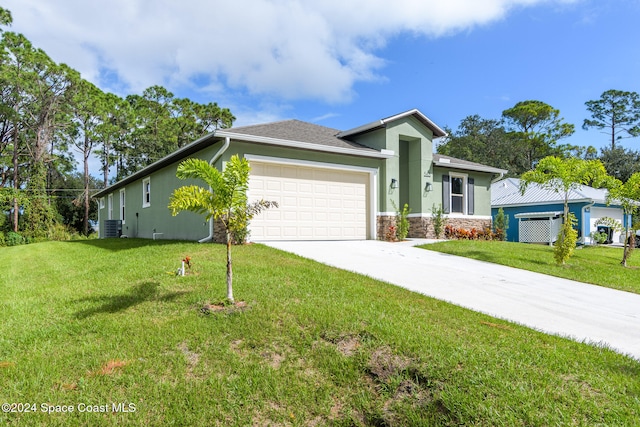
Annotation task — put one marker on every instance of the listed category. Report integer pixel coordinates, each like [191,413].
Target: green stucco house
[329,184]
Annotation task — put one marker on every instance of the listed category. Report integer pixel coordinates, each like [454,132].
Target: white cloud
[287,49]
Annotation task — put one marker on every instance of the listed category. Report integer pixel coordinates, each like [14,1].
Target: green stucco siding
[412,145]
[157,218]
[482,189]
[244,148]
[189,226]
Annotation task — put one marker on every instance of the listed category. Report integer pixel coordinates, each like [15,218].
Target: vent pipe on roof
[220,152]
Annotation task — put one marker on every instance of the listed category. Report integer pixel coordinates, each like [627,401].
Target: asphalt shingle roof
[299,131]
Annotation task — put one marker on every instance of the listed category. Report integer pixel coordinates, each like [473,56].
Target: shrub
[501,225]
[402,220]
[566,242]
[599,238]
[13,239]
[453,233]
[59,232]
[241,235]
[403,226]
[438,219]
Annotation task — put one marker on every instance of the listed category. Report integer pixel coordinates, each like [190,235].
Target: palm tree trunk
[629,244]
[229,270]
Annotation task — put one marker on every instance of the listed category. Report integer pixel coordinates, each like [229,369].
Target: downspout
[584,223]
[220,152]
[500,176]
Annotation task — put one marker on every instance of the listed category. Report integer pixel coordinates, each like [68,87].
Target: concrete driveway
[558,306]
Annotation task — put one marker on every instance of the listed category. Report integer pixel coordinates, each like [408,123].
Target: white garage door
[314,203]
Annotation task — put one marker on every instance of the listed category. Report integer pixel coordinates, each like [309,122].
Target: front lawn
[598,265]
[105,329]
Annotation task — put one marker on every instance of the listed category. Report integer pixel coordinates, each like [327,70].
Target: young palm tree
[628,196]
[225,200]
[562,176]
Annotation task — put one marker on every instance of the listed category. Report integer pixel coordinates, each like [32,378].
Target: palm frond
[200,169]
[192,198]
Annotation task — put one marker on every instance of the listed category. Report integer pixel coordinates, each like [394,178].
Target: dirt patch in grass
[236,346]
[347,343]
[7,364]
[400,382]
[191,357]
[110,367]
[496,325]
[584,388]
[237,307]
[383,364]
[273,359]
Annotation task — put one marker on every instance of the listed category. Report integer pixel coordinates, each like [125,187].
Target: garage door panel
[314,203]
[289,202]
[335,203]
[290,186]
[305,202]
[289,216]
[273,215]
[273,185]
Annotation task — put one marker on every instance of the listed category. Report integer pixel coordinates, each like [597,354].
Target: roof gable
[382,123]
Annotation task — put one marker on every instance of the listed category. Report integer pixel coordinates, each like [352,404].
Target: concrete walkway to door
[558,306]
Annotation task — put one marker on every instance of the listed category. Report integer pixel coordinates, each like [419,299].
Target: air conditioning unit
[112,228]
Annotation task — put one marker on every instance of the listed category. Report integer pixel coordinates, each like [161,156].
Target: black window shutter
[446,194]
[470,198]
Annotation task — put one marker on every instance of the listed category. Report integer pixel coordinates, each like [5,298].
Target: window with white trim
[458,194]
[146,192]
[110,215]
[101,202]
[122,204]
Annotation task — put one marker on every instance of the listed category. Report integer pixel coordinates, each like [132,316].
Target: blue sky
[344,63]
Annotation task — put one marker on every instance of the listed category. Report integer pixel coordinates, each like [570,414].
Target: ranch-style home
[536,215]
[329,184]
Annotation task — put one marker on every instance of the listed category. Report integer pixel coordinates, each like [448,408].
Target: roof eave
[194,146]
[479,168]
[547,202]
[158,164]
[379,124]
[371,153]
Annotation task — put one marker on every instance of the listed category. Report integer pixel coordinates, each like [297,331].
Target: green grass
[102,322]
[598,265]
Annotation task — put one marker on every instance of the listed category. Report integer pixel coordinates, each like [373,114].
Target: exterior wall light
[428,186]
[394,183]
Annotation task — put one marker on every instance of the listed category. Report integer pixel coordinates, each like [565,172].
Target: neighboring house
[536,215]
[329,185]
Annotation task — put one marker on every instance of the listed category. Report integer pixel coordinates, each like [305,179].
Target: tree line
[48,112]
[532,130]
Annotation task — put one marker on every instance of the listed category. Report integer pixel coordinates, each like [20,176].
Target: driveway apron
[579,311]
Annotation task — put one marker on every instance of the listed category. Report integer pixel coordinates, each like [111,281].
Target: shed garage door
[314,203]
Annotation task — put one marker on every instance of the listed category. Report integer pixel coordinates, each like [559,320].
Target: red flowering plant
[391,235]
[187,261]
